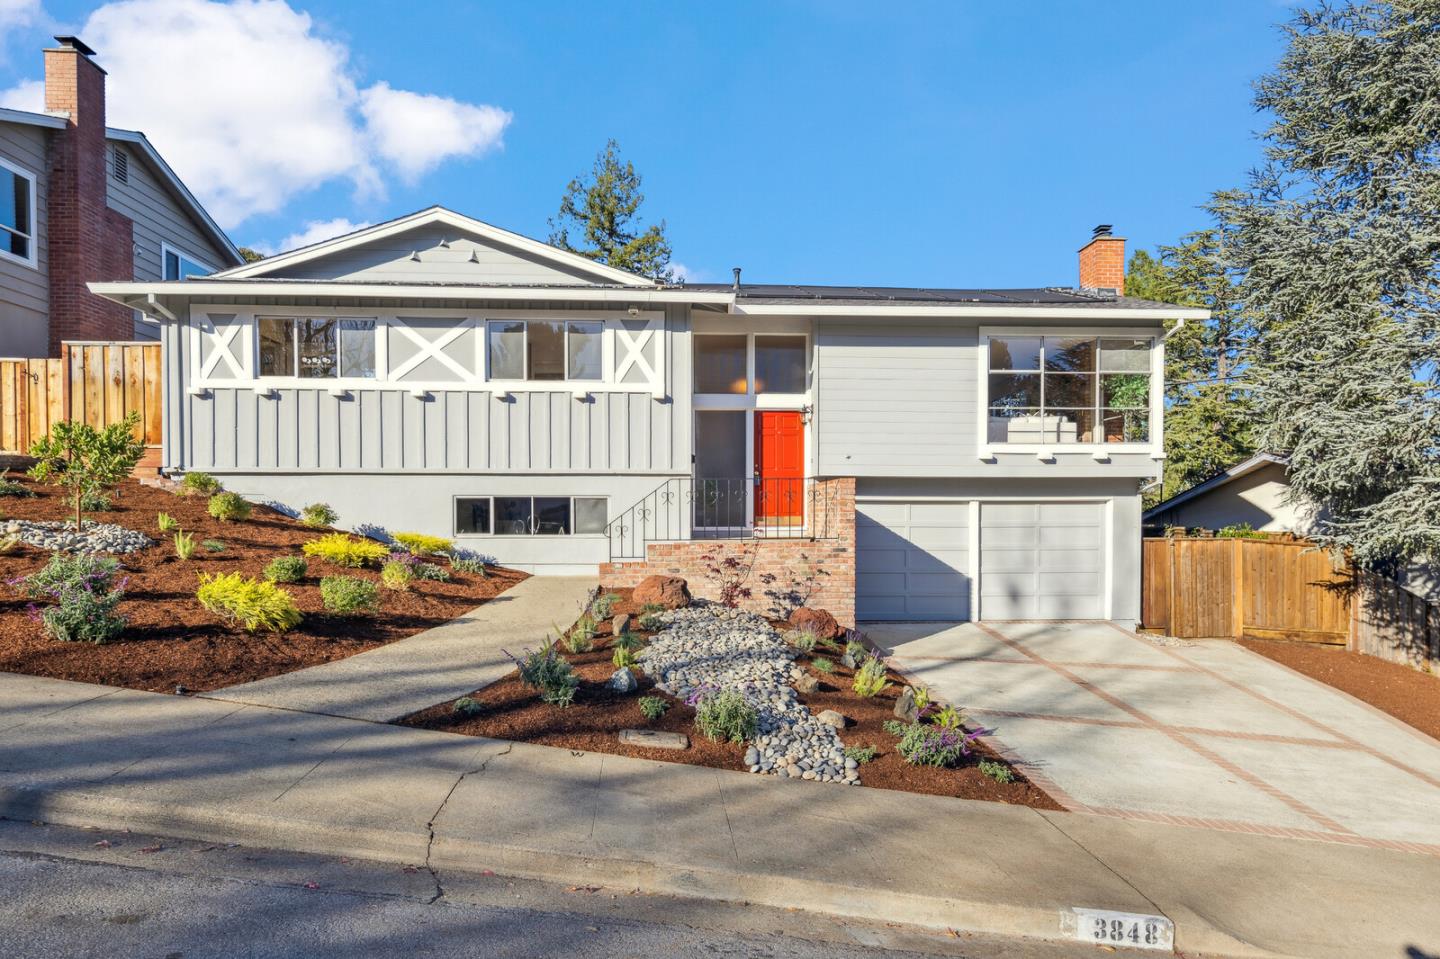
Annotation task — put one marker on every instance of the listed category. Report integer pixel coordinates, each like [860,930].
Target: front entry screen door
[779,468]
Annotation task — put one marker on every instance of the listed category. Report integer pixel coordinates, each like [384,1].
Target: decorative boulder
[620,624]
[806,684]
[816,621]
[831,718]
[668,592]
[905,706]
[622,681]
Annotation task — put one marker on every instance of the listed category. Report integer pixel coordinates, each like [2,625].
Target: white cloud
[26,95]
[18,13]
[312,232]
[686,274]
[418,131]
[251,106]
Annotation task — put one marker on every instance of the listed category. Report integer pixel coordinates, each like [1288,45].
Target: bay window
[317,347]
[545,349]
[1068,389]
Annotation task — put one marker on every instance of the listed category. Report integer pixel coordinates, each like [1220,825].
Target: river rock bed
[92,538]
[730,649]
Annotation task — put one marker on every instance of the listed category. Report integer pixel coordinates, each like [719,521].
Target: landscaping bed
[170,640]
[1407,694]
[511,709]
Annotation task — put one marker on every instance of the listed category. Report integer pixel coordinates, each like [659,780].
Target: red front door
[779,468]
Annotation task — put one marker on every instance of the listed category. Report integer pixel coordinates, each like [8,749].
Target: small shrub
[725,716]
[349,595]
[948,717]
[422,544]
[924,745]
[604,605]
[348,551]
[253,604]
[543,670]
[624,658]
[1239,531]
[466,707]
[861,754]
[652,608]
[855,650]
[823,665]
[10,487]
[999,772]
[869,678]
[467,564]
[318,516]
[803,640]
[166,522]
[96,501]
[628,641]
[9,543]
[184,545]
[286,569]
[199,484]
[921,698]
[212,546]
[579,638]
[652,707]
[895,727]
[430,571]
[651,623]
[85,594]
[396,575]
[229,507]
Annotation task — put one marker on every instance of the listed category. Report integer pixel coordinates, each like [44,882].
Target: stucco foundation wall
[783,573]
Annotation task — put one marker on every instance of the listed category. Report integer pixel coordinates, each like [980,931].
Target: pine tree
[604,212]
[1337,238]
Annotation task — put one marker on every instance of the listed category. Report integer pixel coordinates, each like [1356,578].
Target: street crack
[430,826]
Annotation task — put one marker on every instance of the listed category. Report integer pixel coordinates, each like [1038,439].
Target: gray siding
[433,254]
[25,290]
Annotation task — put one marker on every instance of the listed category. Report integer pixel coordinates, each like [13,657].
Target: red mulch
[171,640]
[514,711]
[1407,694]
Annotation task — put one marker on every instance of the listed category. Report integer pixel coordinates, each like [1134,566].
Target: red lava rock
[816,621]
[667,591]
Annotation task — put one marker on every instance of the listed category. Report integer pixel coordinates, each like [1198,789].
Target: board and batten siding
[465,428]
[25,290]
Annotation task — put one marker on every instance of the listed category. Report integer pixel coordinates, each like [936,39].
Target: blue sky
[959,143]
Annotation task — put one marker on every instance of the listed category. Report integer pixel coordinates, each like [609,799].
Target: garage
[912,560]
[1042,561]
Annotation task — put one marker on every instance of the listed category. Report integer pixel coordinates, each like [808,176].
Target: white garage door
[912,561]
[1042,561]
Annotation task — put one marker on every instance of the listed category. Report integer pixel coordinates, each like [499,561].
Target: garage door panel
[884,514]
[1042,561]
[1068,560]
[995,583]
[1006,560]
[995,515]
[1068,514]
[912,560]
[939,514]
[937,537]
[949,606]
[950,560]
[879,537]
[1070,584]
[1052,537]
[880,582]
[930,584]
[1024,537]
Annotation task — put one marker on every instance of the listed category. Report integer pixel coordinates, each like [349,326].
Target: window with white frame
[724,364]
[545,349]
[179,266]
[530,515]
[1058,389]
[17,214]
[313,347]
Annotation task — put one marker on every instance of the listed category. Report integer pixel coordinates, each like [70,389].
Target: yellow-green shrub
[252,603]
[423,544]
[343,550]
[396,575]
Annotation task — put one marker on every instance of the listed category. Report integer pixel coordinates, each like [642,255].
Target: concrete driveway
[1200,733]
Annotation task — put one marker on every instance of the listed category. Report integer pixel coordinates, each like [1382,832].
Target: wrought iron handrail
[690,508]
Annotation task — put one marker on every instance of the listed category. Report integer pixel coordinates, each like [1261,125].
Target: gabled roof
[1254,463]
[432,216]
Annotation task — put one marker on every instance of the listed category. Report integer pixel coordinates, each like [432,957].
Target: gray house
[942,453]
[81,201]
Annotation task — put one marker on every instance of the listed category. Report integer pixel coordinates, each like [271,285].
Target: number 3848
[1123,931]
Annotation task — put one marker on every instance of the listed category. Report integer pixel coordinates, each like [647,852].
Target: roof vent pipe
[736,271]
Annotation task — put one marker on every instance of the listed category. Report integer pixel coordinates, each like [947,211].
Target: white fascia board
[1081,313]
[48,120]
[125,292]
[456,221]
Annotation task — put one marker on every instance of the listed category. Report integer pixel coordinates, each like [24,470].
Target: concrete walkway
[226,772]
[1205,732]
[430,667]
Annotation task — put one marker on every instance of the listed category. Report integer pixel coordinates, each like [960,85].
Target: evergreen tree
[604,212]
[1337,238]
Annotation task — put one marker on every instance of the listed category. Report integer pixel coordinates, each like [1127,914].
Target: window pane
[1127,426]
[1069,426]
[1014,389]
[317,347]
[1069,389]
[172,266]
[720,364]
[507,349]
[1125,356]
[15,243]
[1126,390]
[1014,352]
[277,347]
[546,343]
[552,515]
[357,348]
[15,213]
[472,515]
[1013,424]
[590,514]
[584,350]
[1069,354]
[512,515]
[779,364]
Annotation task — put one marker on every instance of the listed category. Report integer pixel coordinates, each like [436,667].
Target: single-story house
[1256,492]
[890,453]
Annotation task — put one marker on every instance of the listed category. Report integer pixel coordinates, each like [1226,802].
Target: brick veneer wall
[86,239]
[818,572]
[1102,264]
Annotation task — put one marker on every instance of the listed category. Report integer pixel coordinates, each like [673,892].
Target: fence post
[1237,589]
[1171,613]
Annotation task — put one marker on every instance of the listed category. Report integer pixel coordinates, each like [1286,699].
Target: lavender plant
[84,593]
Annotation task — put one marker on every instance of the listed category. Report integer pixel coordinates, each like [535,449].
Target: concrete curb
[970,913]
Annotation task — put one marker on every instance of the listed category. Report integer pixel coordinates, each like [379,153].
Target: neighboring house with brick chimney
[886,453]
[80,202]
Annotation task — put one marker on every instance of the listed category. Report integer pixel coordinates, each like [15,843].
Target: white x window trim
[432,349]
[634,346]
[222,344]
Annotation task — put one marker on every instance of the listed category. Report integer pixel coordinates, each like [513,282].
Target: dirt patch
[171,640]
[1407,694]
[512,710]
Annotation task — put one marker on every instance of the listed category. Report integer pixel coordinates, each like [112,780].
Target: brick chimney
[1102,262]
[86,239]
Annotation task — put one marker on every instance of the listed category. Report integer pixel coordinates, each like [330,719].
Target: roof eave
[135,294]
[1222,478]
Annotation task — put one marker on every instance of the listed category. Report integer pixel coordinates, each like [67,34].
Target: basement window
[317,347]
[17,214]
[530,515]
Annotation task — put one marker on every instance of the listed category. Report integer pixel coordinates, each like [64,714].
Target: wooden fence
[97,383]
[1395,624]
